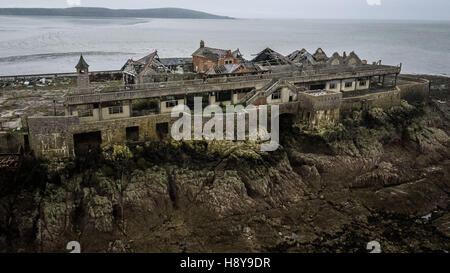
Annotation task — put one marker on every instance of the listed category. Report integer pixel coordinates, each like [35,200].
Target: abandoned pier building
[310,88]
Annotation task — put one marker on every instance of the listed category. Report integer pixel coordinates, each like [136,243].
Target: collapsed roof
[150,63]
[223,69]
[320,55]
[270,57]
[302,57]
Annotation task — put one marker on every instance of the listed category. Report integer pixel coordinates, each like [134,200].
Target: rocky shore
[381,175]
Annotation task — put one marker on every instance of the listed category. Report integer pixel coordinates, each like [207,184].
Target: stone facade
[315,96]
[53,137]
[319,107]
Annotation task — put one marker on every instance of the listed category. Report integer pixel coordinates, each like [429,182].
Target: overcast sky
[351,9]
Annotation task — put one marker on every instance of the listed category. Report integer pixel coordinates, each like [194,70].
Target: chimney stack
[202,44]
[344,55]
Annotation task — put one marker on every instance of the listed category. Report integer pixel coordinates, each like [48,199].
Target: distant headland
[104,12]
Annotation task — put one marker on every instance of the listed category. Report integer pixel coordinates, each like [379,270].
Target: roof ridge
[216,48]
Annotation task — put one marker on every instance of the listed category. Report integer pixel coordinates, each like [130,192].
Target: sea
[37,44]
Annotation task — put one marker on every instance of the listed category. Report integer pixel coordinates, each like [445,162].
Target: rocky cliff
[379,175]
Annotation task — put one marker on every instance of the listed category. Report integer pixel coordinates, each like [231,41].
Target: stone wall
[53,137]
[415,90]
[380,99]
[320,100]
[317,119]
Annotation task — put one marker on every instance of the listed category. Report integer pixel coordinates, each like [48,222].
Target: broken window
[72,109]
[172,103]
[332,85]
[276,95]
[115,110]
[362,83]
[317,86]
[85,110]
[348,84]
[114,107]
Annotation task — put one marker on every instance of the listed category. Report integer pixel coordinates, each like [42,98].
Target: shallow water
[30,45]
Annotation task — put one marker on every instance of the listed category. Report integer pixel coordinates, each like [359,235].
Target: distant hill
[104,12]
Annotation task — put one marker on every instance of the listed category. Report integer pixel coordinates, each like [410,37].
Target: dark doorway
[286,128]
[87,142]
[286,121]
[26,143]
[133,134]
[162,130]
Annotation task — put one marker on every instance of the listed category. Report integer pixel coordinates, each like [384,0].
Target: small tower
[82,73]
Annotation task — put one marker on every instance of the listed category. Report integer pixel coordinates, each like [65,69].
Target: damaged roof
[224,69]
[302,56]
[320,55]
[270,57]
[210,53]
[150,62]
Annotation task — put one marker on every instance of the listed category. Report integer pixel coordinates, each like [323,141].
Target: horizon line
[229,16]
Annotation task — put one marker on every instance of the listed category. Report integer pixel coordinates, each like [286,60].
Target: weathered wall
[52,137]
[331,100]
[83,81]
[414,91]
[381,99]
[317,119]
